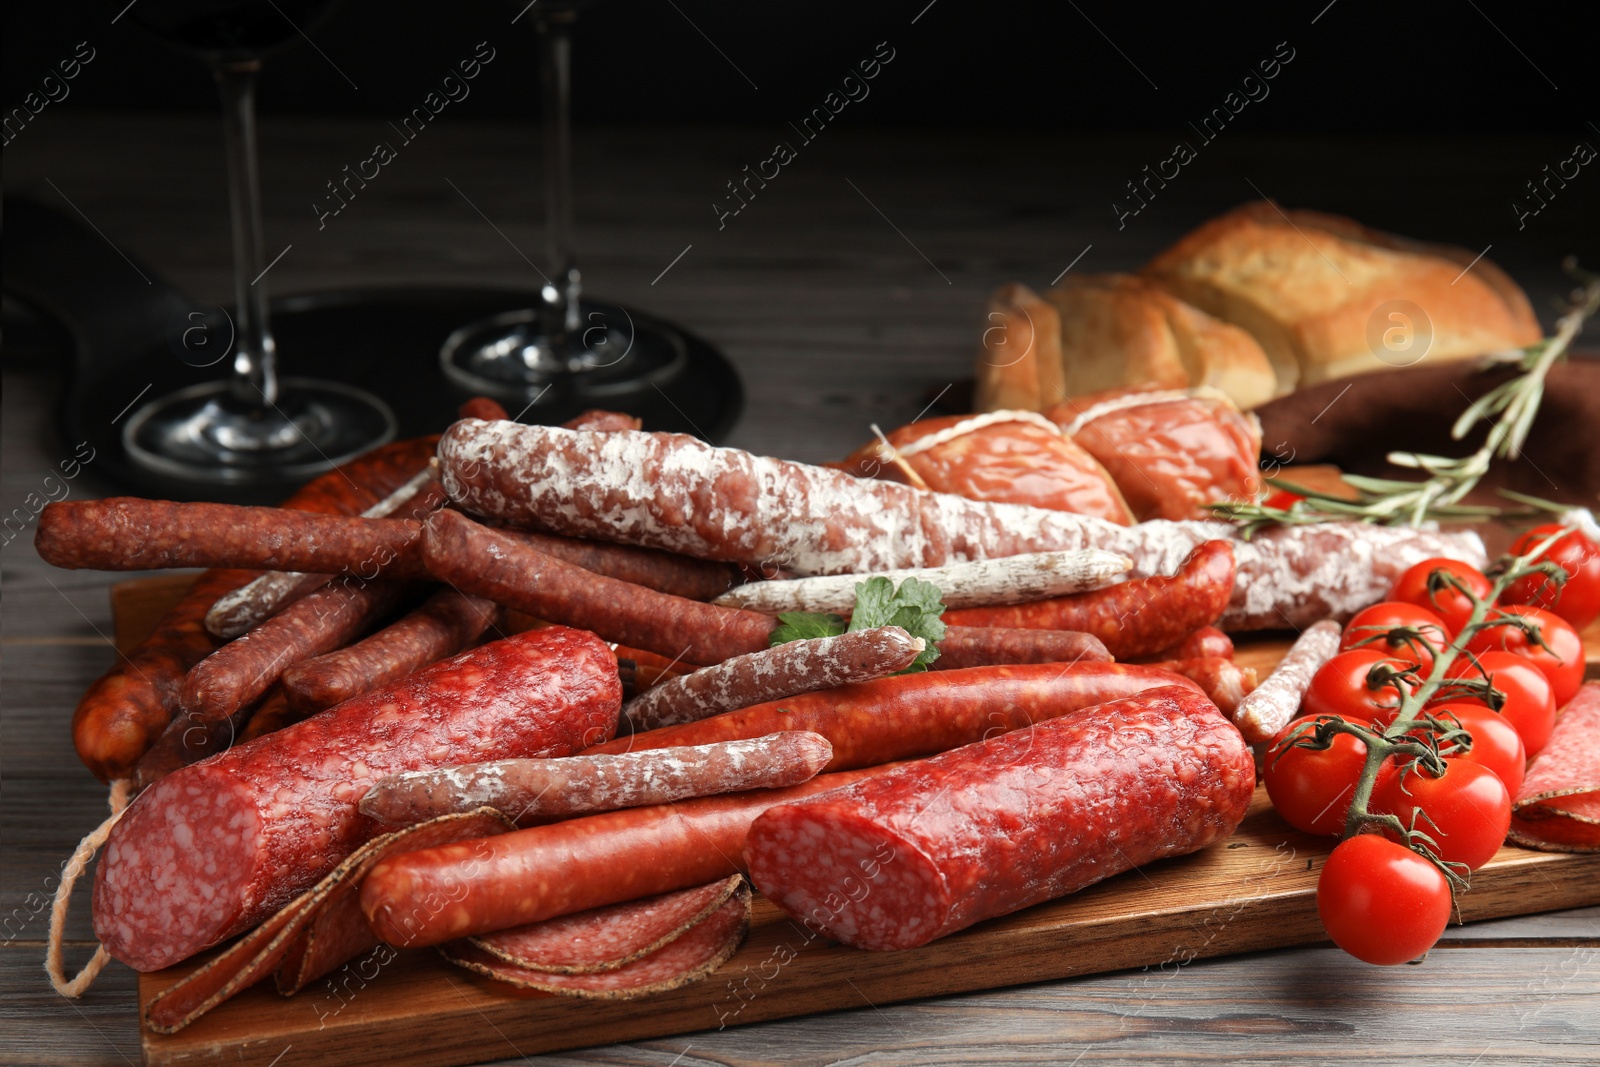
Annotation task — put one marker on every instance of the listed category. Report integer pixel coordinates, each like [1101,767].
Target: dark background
[1368,66]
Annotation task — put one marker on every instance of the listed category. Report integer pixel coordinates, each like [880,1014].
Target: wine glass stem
[255,376]
[560,305]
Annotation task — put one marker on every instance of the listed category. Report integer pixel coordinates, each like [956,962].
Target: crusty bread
[1312,289]
[1118,330]
[1019,367]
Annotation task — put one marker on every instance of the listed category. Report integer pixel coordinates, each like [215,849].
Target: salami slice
[693,956]
[607,938]
[937,845]
[1558,806]
[1268,709]
[218,846]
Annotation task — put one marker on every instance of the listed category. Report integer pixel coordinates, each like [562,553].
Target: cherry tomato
[1340,687]
[1372,623]
[1282,498]
[1381,902]
[1449,605]
[1578,600]
[1562,663]
[1311,788]
[1495,741]
[1467,809]
[1530,704]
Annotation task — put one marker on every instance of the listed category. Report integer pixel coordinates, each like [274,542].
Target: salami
[985,646]
[1205,643]
[532,790]
[677,493]
[1558,807]
[665,572]
[913,715]
[190,739]
[1224,681]
[937,845]
[499,567]
[1276,700]
[434,895]
[218,846]
[772,674]
[446,623]
[1131,618]
[595,419]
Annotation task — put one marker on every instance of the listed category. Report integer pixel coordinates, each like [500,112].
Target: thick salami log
[443,625]
[217,847]
[435,895]
[1270,706]
[937,845]
[536,790]
[781,671]
[665,572]
[988,646]
[1205,643]
[242,670]
[498,566]
[912,715]
[124,711]
[131,534]
[1558,807]
[1132,618]
[680,494]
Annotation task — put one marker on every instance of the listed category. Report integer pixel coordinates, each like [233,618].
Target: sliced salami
[1558,807]
[1268,708]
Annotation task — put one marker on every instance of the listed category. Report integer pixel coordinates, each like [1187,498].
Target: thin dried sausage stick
[496,565]
[912,715]
[665,572]
[1131,618]
[677,493]
[1204,643]
[435,895]
[190,739]
[542,789]
[1276,700]
[597,419]
[984,583]
[774,673]
[934,846]
[1223,680]
[987,646]
[216,847]
[443,625]
[240,671]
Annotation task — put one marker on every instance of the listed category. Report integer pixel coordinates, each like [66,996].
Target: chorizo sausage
[1204,643]
[985,646]
[665,572]
[1224,681]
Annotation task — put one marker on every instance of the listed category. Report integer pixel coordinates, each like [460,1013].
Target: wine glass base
[204,435]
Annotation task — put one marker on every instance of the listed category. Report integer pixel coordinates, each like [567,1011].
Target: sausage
[774,673]
[677,493]
[127,708]
[190,738]
[130,534]
[435,895]
[912,715]
[984,646]
[216,847]
[482,407]
[1224,681]
[443,625]
[646,669]
[934,846]
[542,789]
[273,713]
[596,419]
[496,565]
[1131,618]
[665,572]
[1204,643]
[1270,706]
[240,671]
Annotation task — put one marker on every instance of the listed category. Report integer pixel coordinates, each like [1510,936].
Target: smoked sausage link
[934,846]
[665,572]
[215,848]
[1132,618]
[984,646]
[911,715]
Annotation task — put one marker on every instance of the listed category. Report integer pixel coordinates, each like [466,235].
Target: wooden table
[837,320]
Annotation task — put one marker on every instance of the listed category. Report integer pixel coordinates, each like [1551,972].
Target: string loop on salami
[55,952]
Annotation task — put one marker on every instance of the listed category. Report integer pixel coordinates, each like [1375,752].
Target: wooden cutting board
[1254,891]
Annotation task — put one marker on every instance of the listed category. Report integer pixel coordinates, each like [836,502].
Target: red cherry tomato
[1495,741]
[1282,498]
[1530,704]
[1311,788]
[1578,600]
[1381,902]
[1370,626]
[1341,687]
[1449,605]
[1562,663]
[1468,809]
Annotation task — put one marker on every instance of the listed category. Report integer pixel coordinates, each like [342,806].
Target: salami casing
[216,847]
[934,846]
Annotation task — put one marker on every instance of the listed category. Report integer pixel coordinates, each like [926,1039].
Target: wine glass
[254,426]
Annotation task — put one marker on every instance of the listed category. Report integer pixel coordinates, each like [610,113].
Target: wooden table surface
[848,292]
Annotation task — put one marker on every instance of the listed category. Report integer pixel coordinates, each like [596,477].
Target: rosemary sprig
[1512,405]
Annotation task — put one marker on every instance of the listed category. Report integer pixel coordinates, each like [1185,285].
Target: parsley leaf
[915,607]
[805,625]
